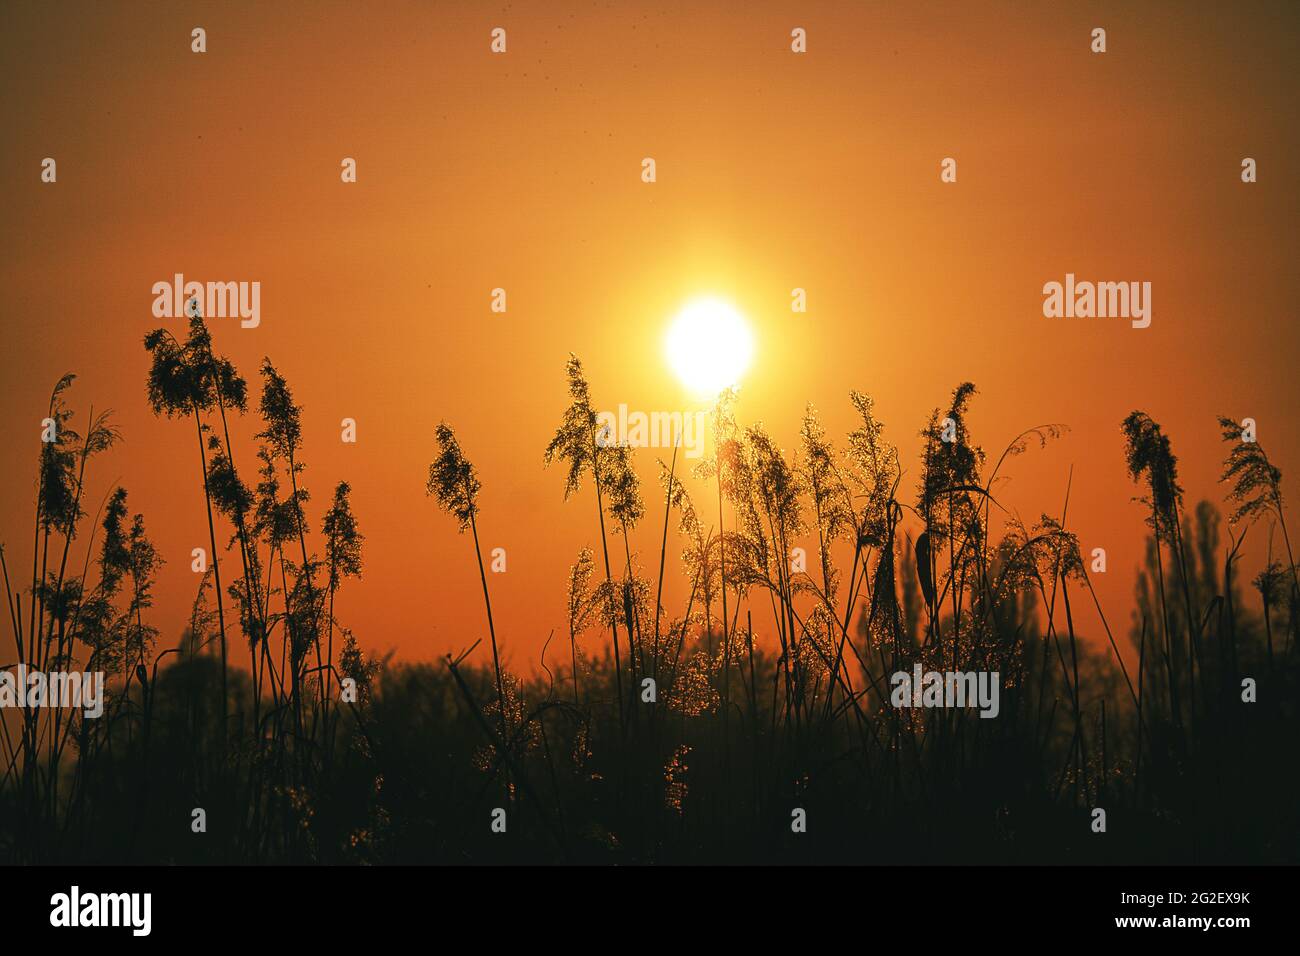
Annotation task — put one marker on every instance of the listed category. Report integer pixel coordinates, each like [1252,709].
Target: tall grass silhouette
[689,733]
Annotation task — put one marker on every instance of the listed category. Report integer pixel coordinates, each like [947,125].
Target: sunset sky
[775,170]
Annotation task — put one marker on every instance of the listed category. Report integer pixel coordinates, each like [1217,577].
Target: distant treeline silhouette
[751,724]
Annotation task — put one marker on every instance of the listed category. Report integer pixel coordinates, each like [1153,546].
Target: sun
[709,345]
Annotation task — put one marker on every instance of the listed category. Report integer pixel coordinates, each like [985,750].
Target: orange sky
[522,171]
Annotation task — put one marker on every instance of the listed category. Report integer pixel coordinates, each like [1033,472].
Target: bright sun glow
[709,346]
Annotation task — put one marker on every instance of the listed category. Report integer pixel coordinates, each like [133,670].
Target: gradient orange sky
[522,171]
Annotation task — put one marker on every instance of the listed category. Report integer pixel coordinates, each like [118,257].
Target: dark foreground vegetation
[770,685]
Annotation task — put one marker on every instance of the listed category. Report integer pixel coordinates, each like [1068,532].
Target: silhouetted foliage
[692,732]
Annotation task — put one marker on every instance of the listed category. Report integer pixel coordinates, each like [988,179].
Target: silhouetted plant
[453,481]
[304,602]
[181,383]
[579,443]
[1256,488]
[342,559]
